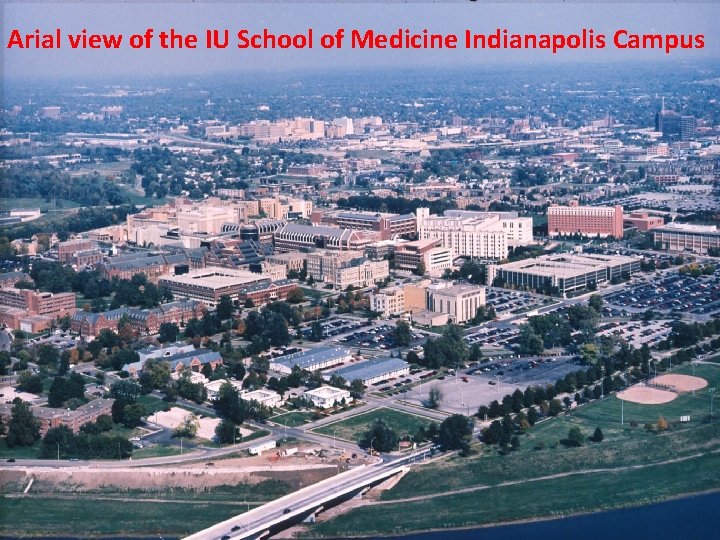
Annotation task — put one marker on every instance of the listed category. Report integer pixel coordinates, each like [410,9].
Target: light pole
[334,432]
[58,445]
[371,445]
[622,412]
[712,394]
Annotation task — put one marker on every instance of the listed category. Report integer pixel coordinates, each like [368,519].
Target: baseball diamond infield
[679,383]
[646,395]
[662,389]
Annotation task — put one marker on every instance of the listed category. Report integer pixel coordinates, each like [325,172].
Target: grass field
[153,404]
[314,293]
[155,451]
[630,466]
[110,168]
[42,204]
[138,198]
[293,419]
[18,452]
[351,428]
[131,512]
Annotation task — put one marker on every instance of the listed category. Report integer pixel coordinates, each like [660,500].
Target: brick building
[602,221]
[142,321]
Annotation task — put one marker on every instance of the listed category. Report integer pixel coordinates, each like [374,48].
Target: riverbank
[522,503]
[686,516]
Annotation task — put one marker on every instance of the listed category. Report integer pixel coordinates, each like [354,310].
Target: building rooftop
[567,265]
[372,368]
[687,227]
[216,278]
[326,391]
[311,357]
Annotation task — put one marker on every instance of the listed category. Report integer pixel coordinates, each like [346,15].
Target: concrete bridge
[304,504]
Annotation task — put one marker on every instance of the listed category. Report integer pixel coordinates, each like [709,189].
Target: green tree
[23,427]
[575,437]
[28,382]
[455,433]
[225,308]
[379,437]
[402,334]
[5,362]
[448,350]
[357,389]
[227,432]
[295,296]
[168,332]
[595,302]
[158,370]
[48,357]
[316,331]
[528,341]
[555,408]
[133,415]
[434,398]
[597,435]
[188,427]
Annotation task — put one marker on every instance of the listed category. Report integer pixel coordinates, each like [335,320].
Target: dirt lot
[300,469]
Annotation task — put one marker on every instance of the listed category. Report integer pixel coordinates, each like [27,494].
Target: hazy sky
[453,17]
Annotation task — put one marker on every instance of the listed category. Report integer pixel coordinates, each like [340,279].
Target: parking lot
[61,340]
[335,327]
[379,337]
[673,292]
[507,302]
[499,337]
[637,332]
[481,384]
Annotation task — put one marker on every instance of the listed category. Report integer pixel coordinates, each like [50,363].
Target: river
[688,518]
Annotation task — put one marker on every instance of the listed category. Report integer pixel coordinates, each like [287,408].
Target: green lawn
[18,452]
[153,404]
[155,451]
[112,517]
[313,293]
[121,512]
[110,168]
[293,419]
[528,493]
[351,428]
[42,204]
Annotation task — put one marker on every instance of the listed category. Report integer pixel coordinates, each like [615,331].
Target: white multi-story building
[204,218]
[465,236]
[437,260]
[325,397]
[361,273]
[390,301]
[459,302]
[267,398]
